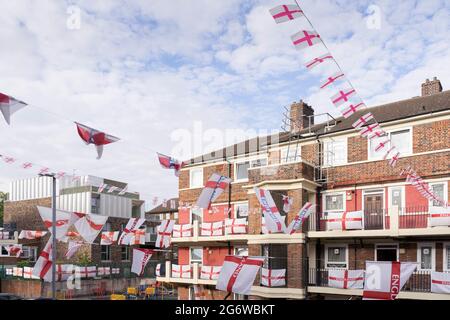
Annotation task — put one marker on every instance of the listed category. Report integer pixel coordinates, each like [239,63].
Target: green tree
[2,200]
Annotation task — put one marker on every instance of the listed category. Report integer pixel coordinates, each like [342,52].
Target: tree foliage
[2,200]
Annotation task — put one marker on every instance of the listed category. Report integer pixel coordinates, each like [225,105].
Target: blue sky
[148,71]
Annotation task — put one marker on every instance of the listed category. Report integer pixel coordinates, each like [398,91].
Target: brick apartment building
[81,195]
[330,165]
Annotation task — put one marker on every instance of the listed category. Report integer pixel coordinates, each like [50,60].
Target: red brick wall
[357,149]
[214,256]
[432,136]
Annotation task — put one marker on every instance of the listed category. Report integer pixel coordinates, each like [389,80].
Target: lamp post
[52,175]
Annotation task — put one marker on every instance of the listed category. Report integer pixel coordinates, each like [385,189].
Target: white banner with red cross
[440,218]
[273,277]
[440,282]
[263,225]
[300,218]
[109,237]
[88,272]
[31,235]
[17,272]
[90,226]
[104,271]
[115,270]
[182,230]
[236,226]
[181,271]
[14,250]
[384,279]
[211,228]
[43,265]
[137,237]
[132,225]
[274,222]
[140,259]
[285,12]
[214,187]
[238,274]
[346,279]
[164,234]
[345,220]
[210,272]
[63,221]
[28,273]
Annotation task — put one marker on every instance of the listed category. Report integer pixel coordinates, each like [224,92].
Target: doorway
[373,210]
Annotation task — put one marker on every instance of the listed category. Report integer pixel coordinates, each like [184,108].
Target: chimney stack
[301,116]
[431,87]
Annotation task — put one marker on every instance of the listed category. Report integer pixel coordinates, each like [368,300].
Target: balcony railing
[420,281]
[196,232]
[414,217]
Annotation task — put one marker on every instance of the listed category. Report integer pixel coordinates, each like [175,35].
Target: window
[29,253]
[95,204]
[241,210]
[334,202]
[447,257]
[196,178]
[335,152]
[125,253]
[425,256]
[336,256]
[440,189]
[290,154]
[241,251]
[3,252]
[105,253]
[276,256]
[396,197]
[107,227]
[241,169]
[197,255]
[401,139]
[196,215]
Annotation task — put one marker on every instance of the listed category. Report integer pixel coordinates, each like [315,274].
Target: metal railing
[414,217]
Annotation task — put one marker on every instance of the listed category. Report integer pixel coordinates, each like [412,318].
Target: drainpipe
[229,200]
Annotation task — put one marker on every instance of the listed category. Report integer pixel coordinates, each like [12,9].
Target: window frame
[191,261]
[191,172]
[336,245]
[389,196]
[431,206]
[251,166]
[379,156]
[128,253]
[325,148]
[109,253]
[445,266]
[344,201]
[235,205]
[290,148]
[420,245]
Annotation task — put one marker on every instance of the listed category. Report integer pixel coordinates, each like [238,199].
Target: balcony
[194,277]
[417,287]
[276,173]
[9,237]
[390,222]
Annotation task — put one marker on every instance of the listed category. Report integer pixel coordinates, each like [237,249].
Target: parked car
[8,296]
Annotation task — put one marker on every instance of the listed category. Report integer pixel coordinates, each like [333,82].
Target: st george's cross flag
[352,108]
[305,39]
[214,187]
[332,79]
[287,203]
[273,277]
[127,234]
[263,225]
[182,230]
[384,279]
[109,237]
[363,120]
[88,272]
[236,226]
[318,61]
[439,218]
[238,274]
[31,235]
[14,250]
[140,259]
[285,13]
[343,96]
[440,282]
[90,226]
[95,137]
[63,221]
[9,105]
[210,272]
[170,163]
[73,248]
[274,222]
[164,234]
[211,228]
[346,279]
[345,220]
[300,218]
[42,267]
[138,237]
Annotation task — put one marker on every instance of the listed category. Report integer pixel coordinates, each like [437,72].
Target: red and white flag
[274,222]
[140,259]
[300,218]
[123,191]
[349,110]
[214,187]
[440,282]
[14,250]
[28,273]
[346,279]
[127,234]
[285,13]
[88,272]
[73,248]
[181,271]
[236,226]
[371,131]
[9,105]
[115,270]
[31,235]
[382,145]
[263,225]
[273,277]
[441,218]
[90,226]
[95,137]
[384,279]
[238,274]
[102,187]
[287,203]
[17,272]
[112,189]
[345,220]
[63,221]
[363,120]
[319,60]
[182,230]
[343,96]
[42,267]
[305,39]
[164,234]
[170,163]
[138,237]
[211,228]
[210,272]
[330,80]
[109,237]
[158,270]
[104,271]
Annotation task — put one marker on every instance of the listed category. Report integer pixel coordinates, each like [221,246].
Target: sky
[184,77]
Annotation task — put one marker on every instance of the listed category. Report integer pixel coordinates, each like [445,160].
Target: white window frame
[433,208]
[378,245]
[250,160]
[110,254]
[433,255]
[389,196]
[190,255]
[291,149]
[235,205]
[325,147]
[344,202]
[332,245]
[379,155]
[191,171]
[381,190]
[128,253]
[445,256]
